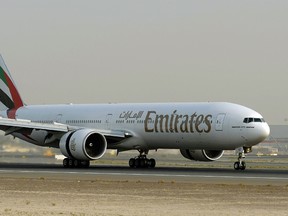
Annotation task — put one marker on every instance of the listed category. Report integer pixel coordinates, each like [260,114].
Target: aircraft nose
[264,131]
[258,135]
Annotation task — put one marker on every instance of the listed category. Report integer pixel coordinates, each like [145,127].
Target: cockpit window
[248,120]
[257,120]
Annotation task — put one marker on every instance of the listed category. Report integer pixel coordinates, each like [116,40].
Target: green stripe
[2,76]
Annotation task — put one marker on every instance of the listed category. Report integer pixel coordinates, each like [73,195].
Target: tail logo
[9,95]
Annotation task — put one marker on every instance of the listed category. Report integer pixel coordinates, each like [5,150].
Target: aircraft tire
[85,164]
[132,162]
[137,162]
[142,163]
[70,163]
[76,163]
[152,163]
[243,165]
[237,165]
[65,162]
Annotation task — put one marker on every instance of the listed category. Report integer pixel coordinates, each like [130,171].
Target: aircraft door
[58,118]
[108,120]
[220,121]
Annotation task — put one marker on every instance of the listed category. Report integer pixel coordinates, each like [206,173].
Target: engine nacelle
[83,144]
[202,155]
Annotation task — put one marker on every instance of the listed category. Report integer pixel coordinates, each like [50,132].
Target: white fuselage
[212,126]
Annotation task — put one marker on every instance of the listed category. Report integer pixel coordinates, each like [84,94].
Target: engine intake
[83,144]
[202,155]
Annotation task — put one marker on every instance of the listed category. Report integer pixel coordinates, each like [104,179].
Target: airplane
[83,132]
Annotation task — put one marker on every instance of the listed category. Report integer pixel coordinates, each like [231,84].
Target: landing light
[247,149]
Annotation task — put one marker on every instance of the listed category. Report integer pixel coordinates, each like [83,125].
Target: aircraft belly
[37,139]
[172,140]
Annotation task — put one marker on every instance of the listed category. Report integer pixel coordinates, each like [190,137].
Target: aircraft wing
[21,125]
[10,126]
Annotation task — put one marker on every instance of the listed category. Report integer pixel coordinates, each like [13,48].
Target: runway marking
[149,174]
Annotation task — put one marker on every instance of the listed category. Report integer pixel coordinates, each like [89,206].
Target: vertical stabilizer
[10,98]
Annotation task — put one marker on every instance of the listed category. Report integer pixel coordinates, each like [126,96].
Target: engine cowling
[202,155]
[83,144]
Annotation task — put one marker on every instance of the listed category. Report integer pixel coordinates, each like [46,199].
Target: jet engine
[83,144]
[202,155]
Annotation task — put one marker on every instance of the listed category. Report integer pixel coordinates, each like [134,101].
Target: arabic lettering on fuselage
[131,115]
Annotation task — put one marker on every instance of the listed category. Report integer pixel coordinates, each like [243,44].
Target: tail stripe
[3,82]
[9,95]
[5,99]
[2,75]
[15,95]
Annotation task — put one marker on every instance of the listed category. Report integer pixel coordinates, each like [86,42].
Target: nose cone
[264,131]
[258,134]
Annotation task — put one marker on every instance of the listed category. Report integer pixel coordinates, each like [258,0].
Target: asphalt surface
[165,174]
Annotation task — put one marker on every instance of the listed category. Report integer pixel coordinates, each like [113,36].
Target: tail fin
[10,98]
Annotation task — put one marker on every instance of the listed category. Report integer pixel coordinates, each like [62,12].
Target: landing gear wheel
[65,163]
[243,165]
[137,162]
[240,164]
[237,165]
[151,163]
[85,164]
[71,163]
[77,163]
[132,162]
[142,161]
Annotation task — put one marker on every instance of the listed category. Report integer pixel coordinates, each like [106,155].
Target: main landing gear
[240,164]
[72,163]
[142,161]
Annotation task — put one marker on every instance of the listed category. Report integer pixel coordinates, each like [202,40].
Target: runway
[166,174]
[50,189]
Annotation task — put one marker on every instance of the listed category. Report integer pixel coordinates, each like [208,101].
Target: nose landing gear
[240,164]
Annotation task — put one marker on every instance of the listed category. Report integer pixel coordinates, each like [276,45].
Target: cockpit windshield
[248,120]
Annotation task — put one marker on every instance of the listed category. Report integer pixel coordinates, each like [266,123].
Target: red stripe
[14,93]
[11,113]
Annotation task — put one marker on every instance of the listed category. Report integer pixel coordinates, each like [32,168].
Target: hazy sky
[149,51]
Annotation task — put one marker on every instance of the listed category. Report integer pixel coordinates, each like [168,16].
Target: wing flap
[19,125]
